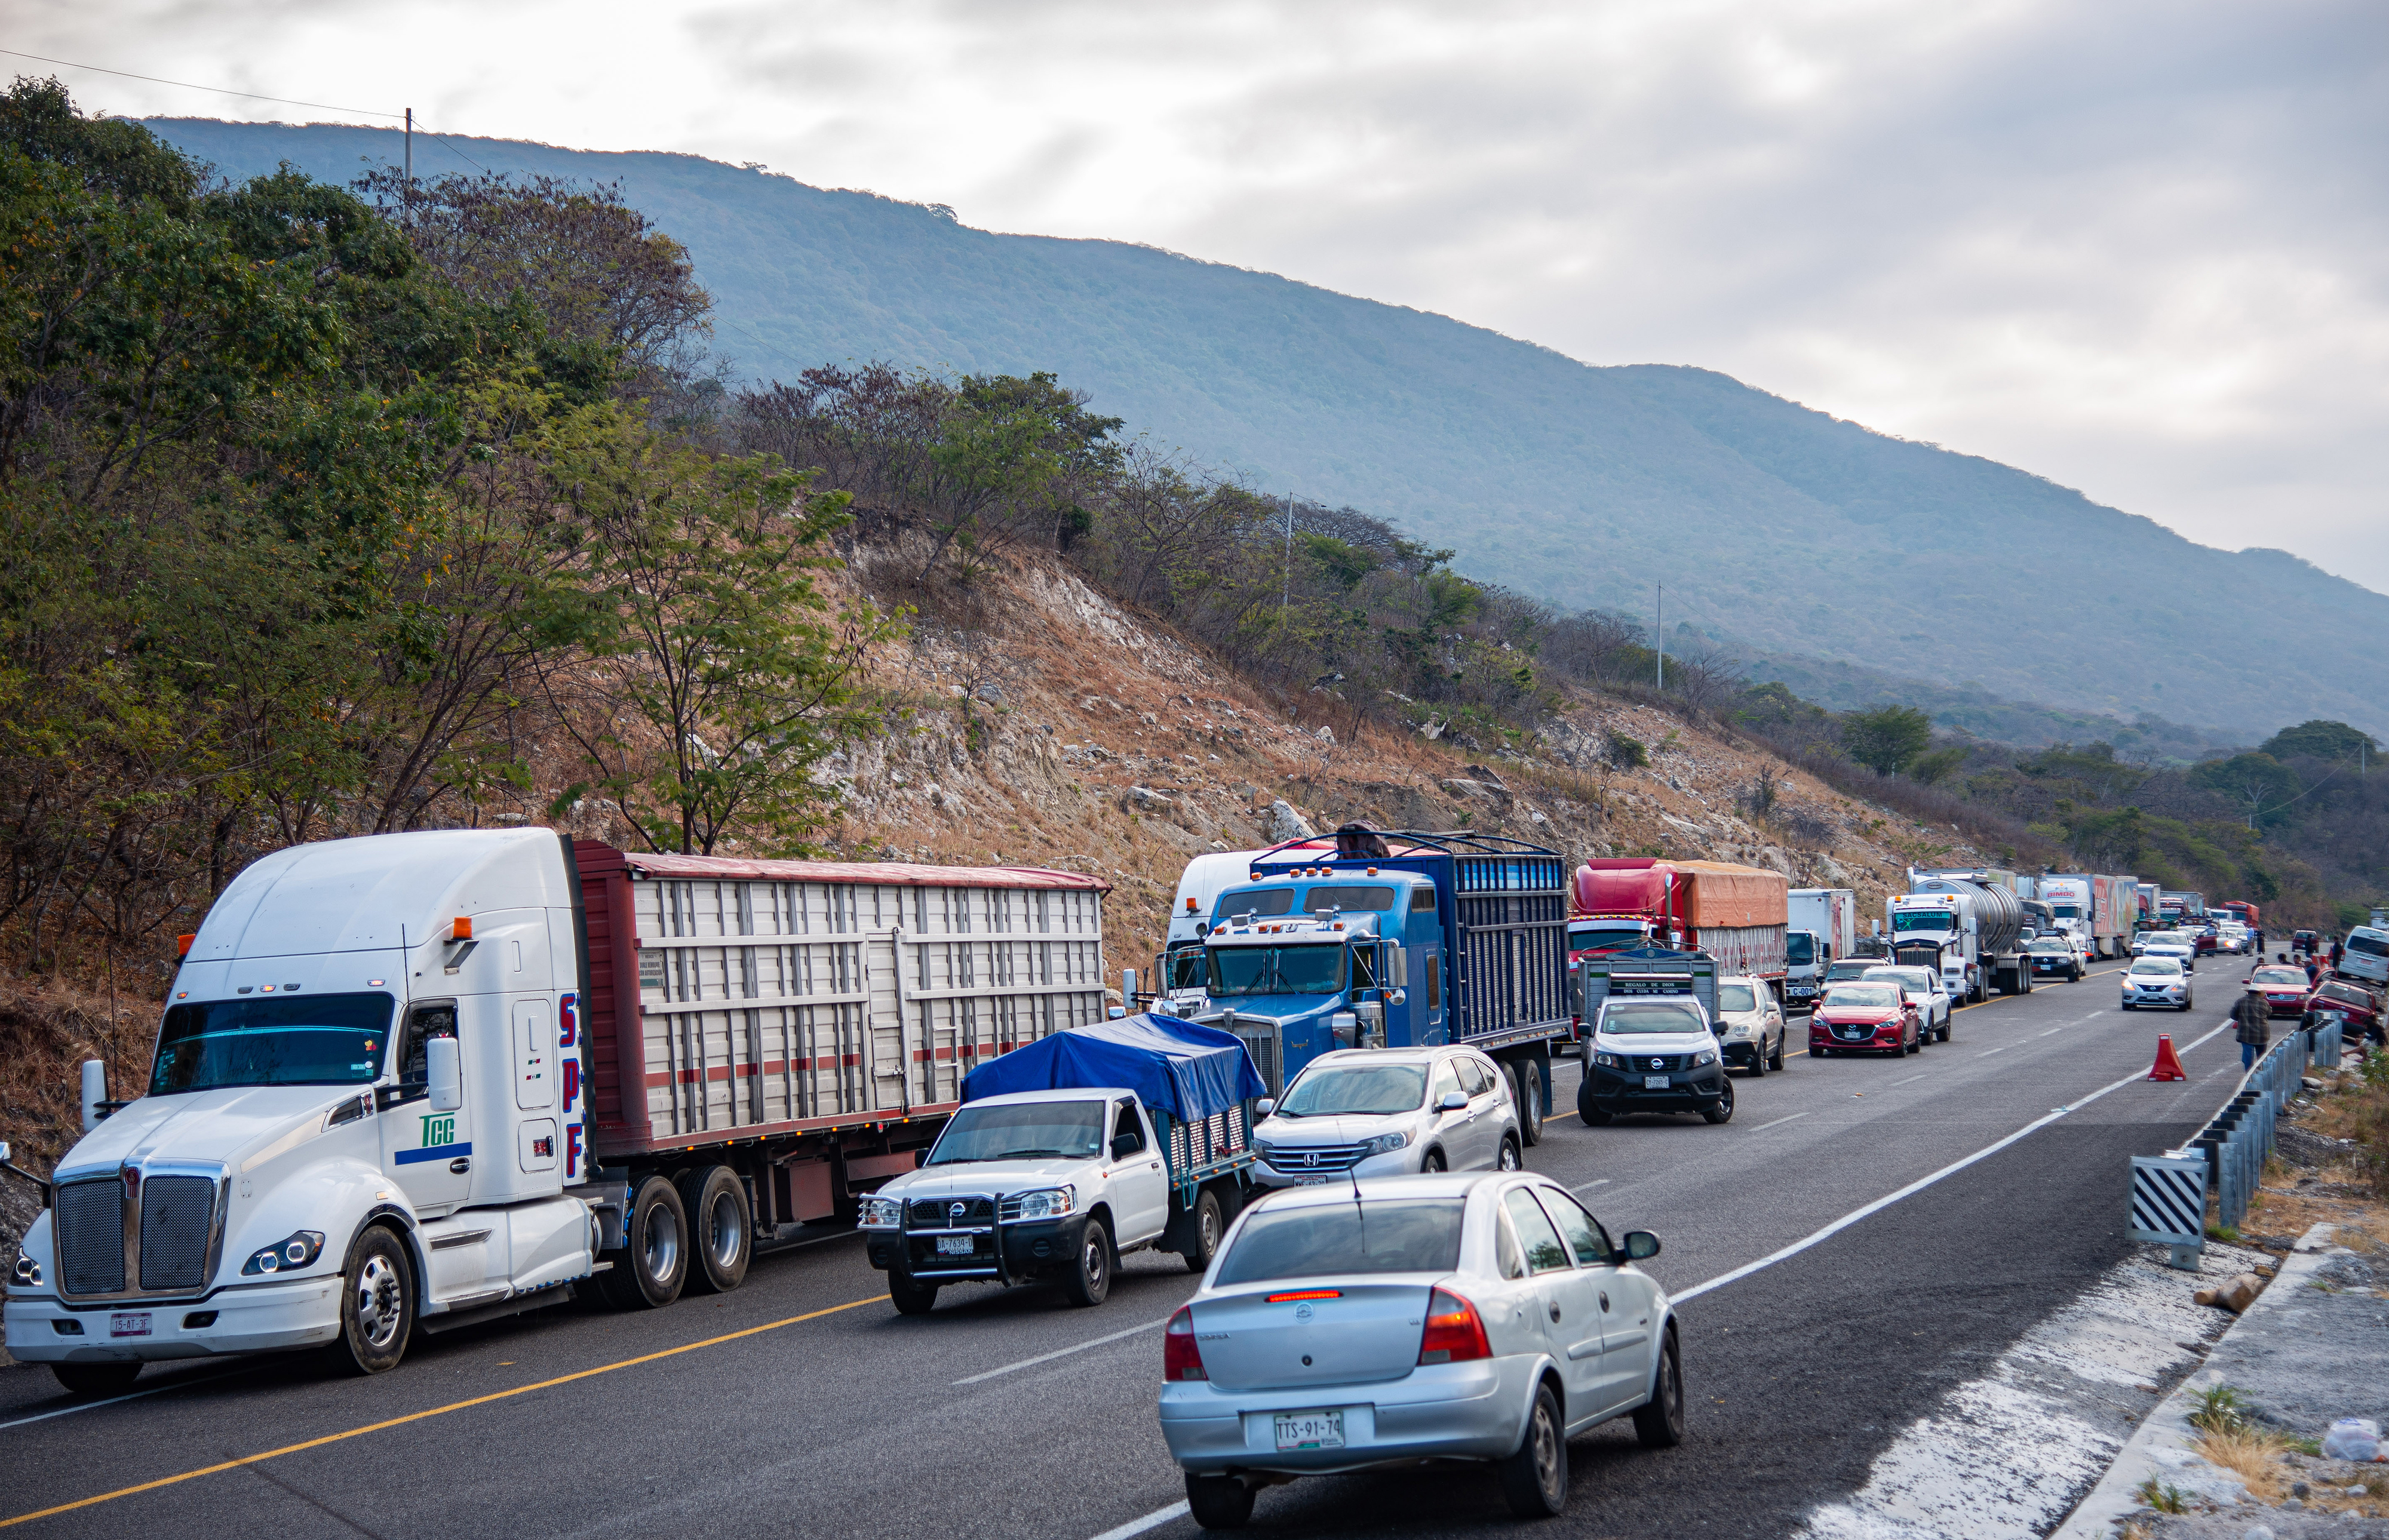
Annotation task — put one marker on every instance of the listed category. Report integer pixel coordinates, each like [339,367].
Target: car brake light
[1453,1334]
[1181,1359]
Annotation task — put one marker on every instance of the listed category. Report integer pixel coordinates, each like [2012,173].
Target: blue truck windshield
[1262,901]
[291,1040]
[1308,970]
[1344,898]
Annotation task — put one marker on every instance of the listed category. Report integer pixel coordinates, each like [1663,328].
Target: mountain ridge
[1579,484]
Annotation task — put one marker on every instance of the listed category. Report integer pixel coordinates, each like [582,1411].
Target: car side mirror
[443,1063]
[1125,1145]
[1641,1246]
[1453,1102]
[1265,1106]
[920,1157]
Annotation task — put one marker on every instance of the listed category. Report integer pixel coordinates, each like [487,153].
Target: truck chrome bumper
[42,1330]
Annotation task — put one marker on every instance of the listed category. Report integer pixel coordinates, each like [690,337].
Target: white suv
[1923,988]
[1388,1113]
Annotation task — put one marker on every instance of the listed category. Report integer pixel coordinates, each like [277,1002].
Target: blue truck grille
[91,1236]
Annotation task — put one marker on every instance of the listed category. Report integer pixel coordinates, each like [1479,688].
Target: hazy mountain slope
[1783,528]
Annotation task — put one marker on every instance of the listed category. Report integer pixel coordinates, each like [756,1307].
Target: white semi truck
[414,1081]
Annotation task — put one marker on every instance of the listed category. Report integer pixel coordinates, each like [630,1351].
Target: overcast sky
[2139,248]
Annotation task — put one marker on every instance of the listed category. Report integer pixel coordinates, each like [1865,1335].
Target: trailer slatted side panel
[764,1002]
[1513,914]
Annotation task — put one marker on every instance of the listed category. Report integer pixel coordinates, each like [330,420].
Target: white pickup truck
[1065,1154]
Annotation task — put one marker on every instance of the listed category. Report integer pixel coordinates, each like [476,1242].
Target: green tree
[2259,782]
[699,667]
[2319,739]
[1888,739]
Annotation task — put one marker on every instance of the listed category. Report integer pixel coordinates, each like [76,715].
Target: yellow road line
[436,1411]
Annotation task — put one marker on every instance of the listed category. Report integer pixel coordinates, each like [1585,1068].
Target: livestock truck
[1966,923]
[1822,925]
[1396,939]
[2099,910]
[408,1082]
[1737,915]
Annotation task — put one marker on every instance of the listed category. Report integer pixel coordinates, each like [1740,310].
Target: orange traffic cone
[2168,1065]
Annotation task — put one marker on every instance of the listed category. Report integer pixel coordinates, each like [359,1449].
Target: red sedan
[2359,1009]
[2285,988]
[1864,1016]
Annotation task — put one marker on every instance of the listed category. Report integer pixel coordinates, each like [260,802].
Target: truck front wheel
[721,1229]
[95,1379]
[651,1268]
[377,1306]
[911,1295]
[1090,1279]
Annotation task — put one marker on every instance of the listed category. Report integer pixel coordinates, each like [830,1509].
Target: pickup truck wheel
[722,1230]
[652,1268]
[1659,1422]
[95,1379]
[1210,1225]
[1526,1095]
[1534,1481]
[1592,1116]
[1723,1109]
[912,1296]
[1219,1502]
[376,1309]
[1088,1283]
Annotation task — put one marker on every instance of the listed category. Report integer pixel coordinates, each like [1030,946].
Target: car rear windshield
[1326,1089]
[1410,1235]
[1861,996]
[2374,944]
[1651,1016]
[1021,1130]
[287,1041]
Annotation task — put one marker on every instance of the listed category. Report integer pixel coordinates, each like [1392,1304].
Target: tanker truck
[1969,924]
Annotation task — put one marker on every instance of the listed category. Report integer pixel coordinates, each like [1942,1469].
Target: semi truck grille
[175,1215]
[91,1236]
[938,1213]
[1260,1038]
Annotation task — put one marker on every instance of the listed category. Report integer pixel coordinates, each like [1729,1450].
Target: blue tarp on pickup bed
[1177,1067]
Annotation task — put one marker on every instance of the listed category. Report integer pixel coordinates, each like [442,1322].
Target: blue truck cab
[1395,939]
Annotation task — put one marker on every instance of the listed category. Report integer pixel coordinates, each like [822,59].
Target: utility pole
[410,163]
[1285,595]
[1659,637]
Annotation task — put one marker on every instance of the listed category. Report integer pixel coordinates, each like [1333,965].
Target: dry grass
[2254,1457]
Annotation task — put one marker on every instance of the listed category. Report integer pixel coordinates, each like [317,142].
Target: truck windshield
[1022,1130]
[1261,901]
[1604,934]
[1343,898]
[2067,911]
[325,1040]
[1277,970]
[1919,919]
[1412,1235]
[1651,1016]
[1800,949]
[1378,1088]
[1186,968]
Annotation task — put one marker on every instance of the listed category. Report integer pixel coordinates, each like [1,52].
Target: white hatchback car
[1385,1113]
[1923,988]
[1487,1318]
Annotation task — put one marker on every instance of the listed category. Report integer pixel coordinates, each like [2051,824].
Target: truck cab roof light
[461,928]
[183,944]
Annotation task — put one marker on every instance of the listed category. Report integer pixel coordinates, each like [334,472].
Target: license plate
[955,1245]
[1309,1430]
[1311,1181]
[1654,1082]
[133,1325]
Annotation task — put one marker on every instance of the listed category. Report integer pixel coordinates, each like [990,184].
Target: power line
[252,96]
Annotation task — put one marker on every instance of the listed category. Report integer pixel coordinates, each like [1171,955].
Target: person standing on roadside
[2338,950]
[2253,1015]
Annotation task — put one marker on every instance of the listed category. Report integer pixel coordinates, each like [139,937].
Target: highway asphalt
[804,1404]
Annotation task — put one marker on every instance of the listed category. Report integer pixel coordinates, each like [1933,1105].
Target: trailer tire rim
[661,1250]
[380,1302]
[726,1230]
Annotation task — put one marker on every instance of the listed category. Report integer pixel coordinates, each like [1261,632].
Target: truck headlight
[1705,1056]
[28,1273]
[877,1213]
[1383,1144]
[299,1250]
[1606,1060]
[1052,1202]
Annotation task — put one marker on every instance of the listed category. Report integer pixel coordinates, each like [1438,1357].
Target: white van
[2366,955]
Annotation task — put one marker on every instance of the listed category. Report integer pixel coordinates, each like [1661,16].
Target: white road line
[1154,1520]
[1918,1076]
[2052,1032]
[1852,1217]
[1598,1181]
[1764,1127]
[1988,1051]
[1062,1352]
[94,1406]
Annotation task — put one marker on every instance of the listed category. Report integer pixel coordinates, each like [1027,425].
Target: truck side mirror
[1125,1145]
[444,1064]
[95,1092]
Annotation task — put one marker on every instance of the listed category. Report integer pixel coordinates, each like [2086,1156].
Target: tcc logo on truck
[438,1130]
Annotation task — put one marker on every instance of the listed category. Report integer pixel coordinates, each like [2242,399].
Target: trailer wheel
[652,1269]
[1526,1095]
[721,1229]
[376,1310]
[1210,1225]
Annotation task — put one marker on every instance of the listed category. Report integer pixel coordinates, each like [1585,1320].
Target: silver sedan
[1487,1318]
[1384,1111]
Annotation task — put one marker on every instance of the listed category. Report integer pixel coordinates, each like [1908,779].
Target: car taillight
[1181,1359]
[1453,1332]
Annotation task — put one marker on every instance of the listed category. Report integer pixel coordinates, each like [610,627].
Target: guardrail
[2236,1142]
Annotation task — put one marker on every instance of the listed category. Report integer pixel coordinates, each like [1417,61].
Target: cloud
[2136,247]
